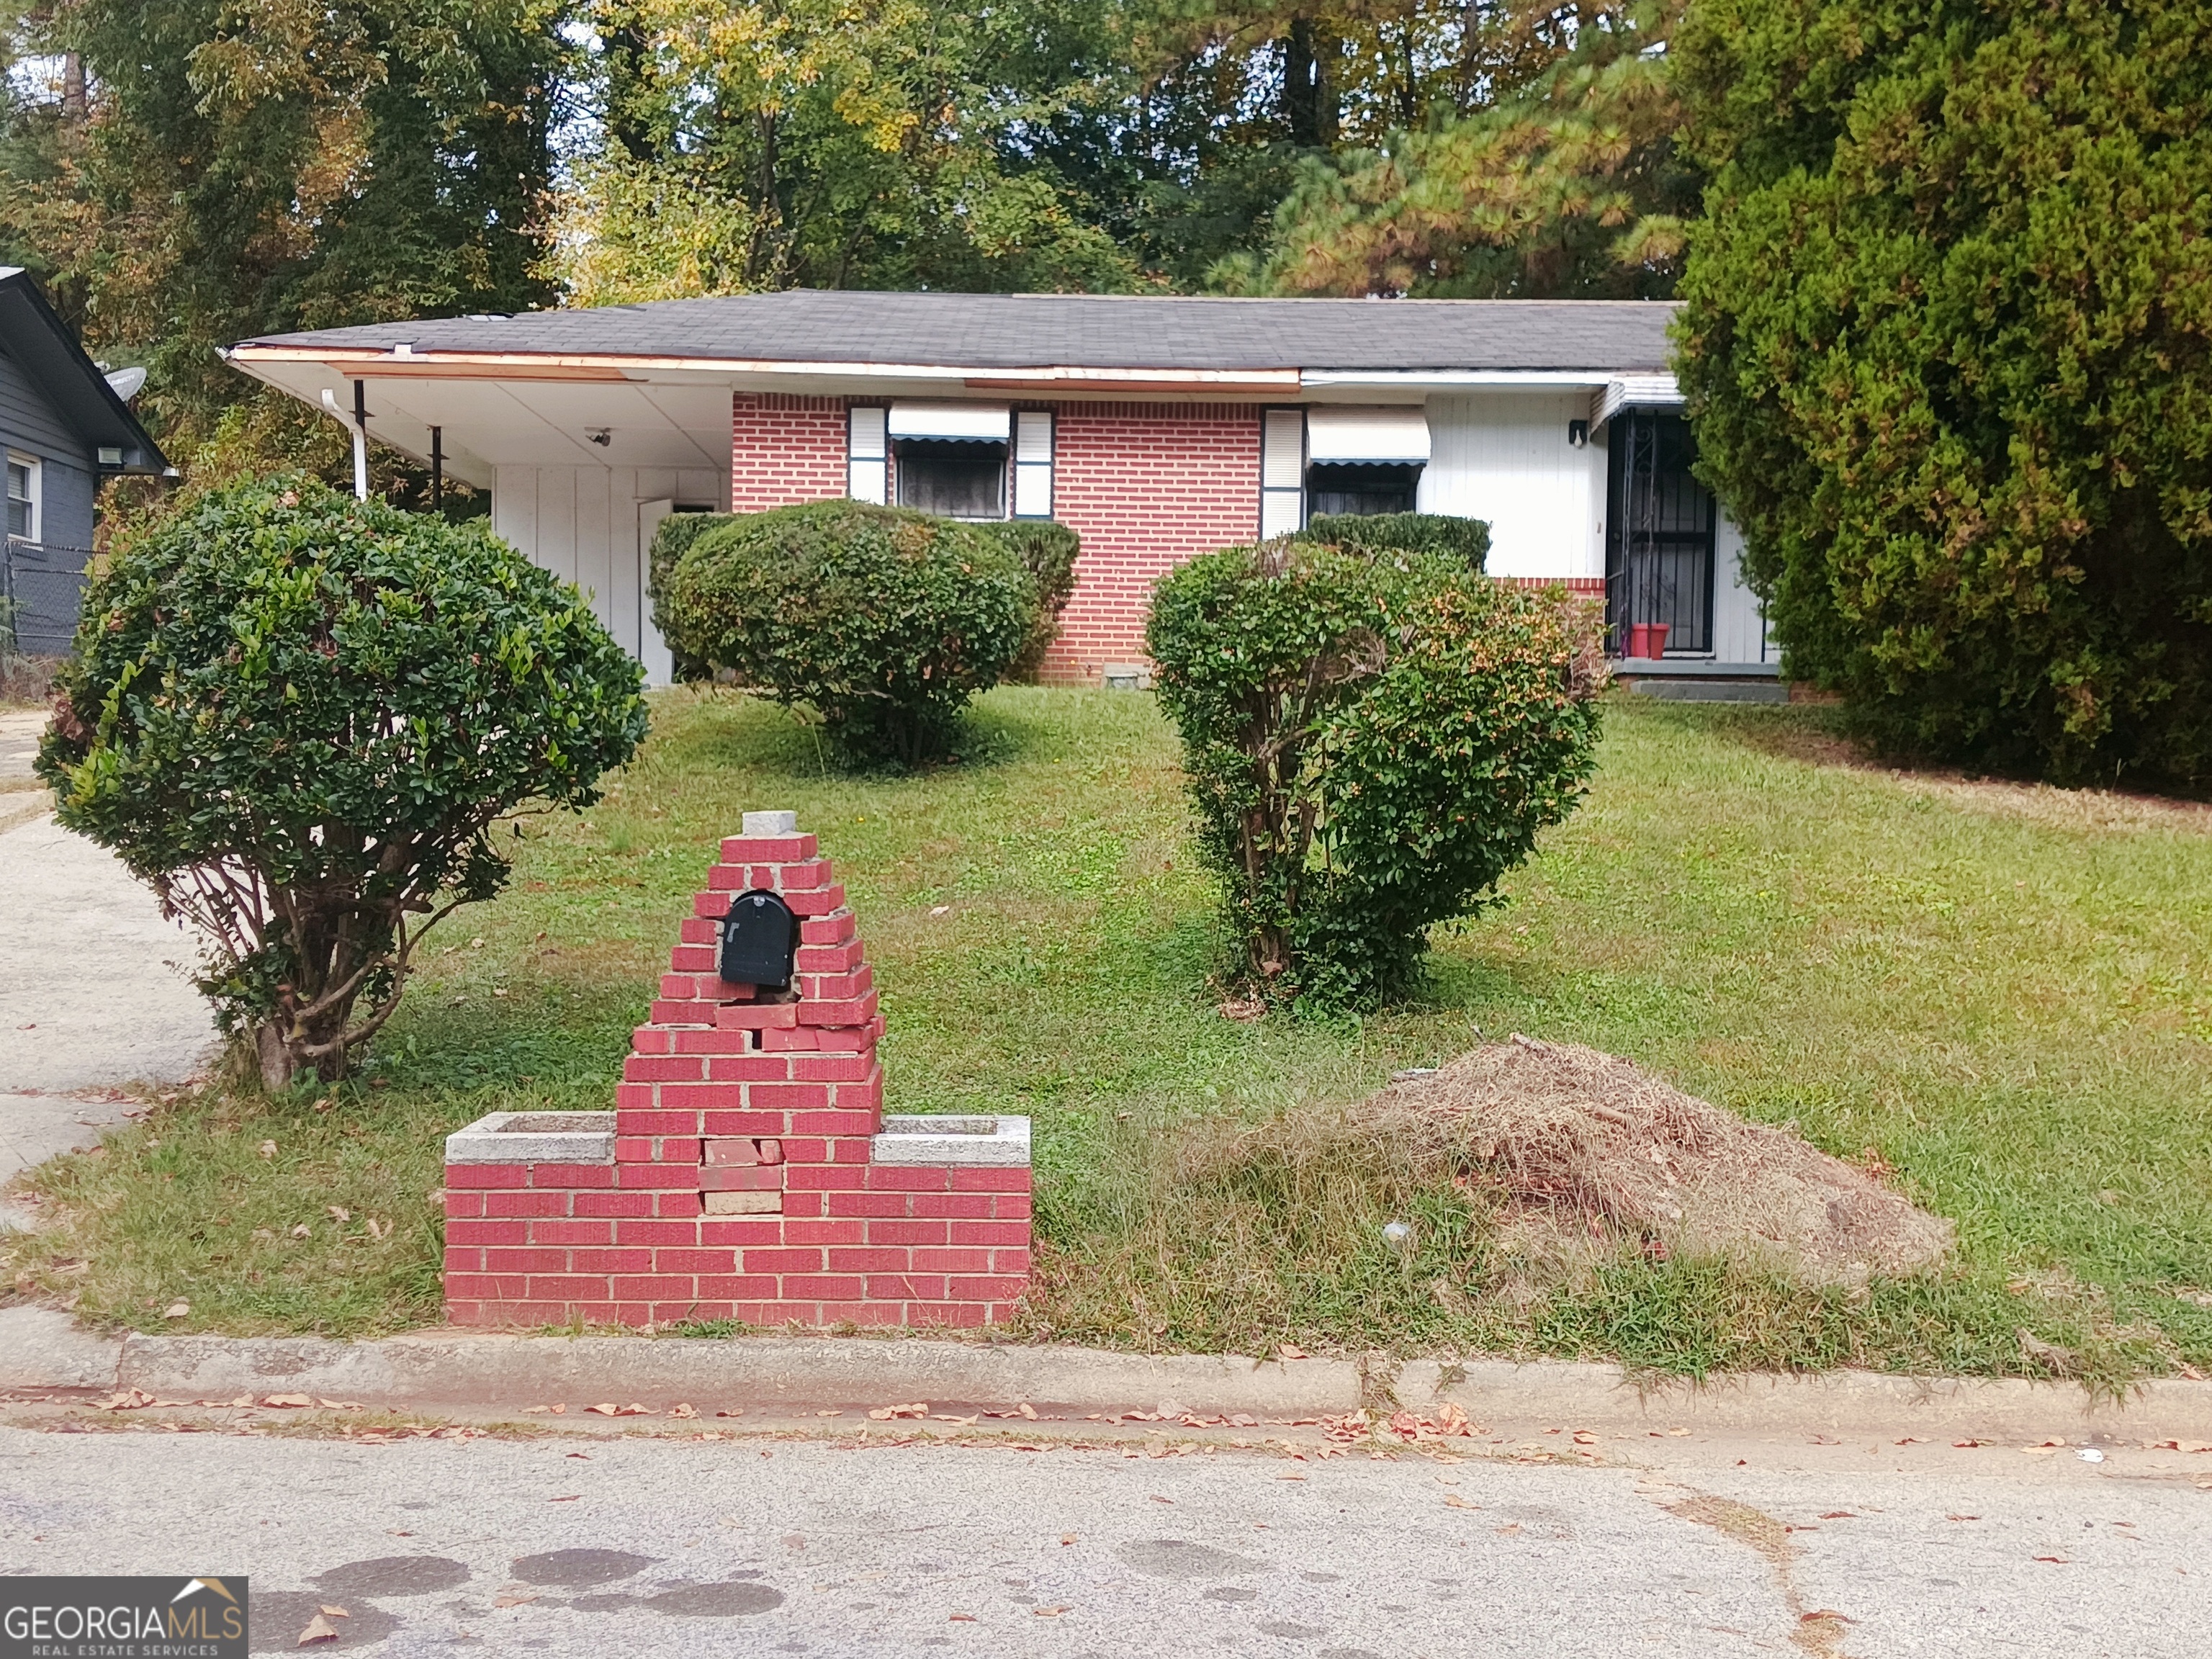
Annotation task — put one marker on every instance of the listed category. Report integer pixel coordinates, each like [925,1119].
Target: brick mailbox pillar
[747,1170]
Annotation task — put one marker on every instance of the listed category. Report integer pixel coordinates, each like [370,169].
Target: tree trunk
[274,1055]
[1309,85]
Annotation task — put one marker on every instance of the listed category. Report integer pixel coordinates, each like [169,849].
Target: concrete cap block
[535,1137]
[770,823]
[942,1140]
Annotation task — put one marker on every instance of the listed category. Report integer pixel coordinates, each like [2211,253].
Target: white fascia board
[1450,379]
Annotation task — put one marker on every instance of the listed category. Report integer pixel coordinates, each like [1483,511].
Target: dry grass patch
[1584,1150]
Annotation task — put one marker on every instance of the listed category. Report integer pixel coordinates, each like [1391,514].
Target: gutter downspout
[359,422]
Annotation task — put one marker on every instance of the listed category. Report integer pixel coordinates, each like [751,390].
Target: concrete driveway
[93,987]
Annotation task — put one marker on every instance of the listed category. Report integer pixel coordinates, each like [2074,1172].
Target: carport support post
[361,441]
[437,468]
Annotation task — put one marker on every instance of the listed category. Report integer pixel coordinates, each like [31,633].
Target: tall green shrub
[299,717]
[1371,741]
[670,542]
[1047,551]
[1465,539]
[885,621]
[1948,347]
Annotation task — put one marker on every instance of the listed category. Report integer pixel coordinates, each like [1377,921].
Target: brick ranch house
[1158,428]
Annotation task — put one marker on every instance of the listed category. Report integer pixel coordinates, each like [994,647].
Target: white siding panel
[583,524]
[1739,619]
[1504,458]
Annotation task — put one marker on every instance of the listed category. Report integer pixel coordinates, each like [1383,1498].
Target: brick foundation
[744,1181]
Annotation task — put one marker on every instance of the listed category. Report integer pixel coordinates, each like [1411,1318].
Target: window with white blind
[23,482]
[1033,439]
[867,455]
[1282,472]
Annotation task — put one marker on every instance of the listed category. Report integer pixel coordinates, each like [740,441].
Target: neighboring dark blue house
[63,428]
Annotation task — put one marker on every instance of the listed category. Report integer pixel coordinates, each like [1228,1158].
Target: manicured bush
[885,621]
[1371,741]
[300,717]
[1465,539]
[671,542]
[1047,551]
[1948,348]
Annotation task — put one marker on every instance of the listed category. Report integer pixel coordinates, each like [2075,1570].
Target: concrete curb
[41,1348]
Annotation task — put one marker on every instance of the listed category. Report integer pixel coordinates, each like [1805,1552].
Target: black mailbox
[759,936]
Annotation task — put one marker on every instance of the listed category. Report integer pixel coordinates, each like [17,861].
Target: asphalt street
[608,1547]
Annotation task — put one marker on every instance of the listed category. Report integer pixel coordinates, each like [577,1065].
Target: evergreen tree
[1947,348]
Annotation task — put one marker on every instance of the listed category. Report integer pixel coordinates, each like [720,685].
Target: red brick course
[728,1091]
[1147,487]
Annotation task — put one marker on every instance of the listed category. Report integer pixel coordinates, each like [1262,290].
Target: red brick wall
[1147,486]
[729,1096]
[785,450]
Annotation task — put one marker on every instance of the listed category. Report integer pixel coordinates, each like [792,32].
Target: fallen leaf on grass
[268,1149]
[127,1399]
[1584,1437]
[739,1411]
[884,1414]
[340,1405]
[319,1629]
[1290,1350]
[177,1310]
[338,1213]
[303,1231]
[289,1401]
[684,1408]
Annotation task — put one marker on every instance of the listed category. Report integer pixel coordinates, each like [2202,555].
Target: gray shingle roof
[1033,330]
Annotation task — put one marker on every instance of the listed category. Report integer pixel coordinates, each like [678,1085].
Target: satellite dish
[126,382]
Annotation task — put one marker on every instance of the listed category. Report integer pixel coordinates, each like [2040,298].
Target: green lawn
[2003,990]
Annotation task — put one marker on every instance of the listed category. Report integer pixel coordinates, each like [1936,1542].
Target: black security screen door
[952,477]
[1659,531]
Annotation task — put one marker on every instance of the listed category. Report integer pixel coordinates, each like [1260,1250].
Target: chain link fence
[41,589]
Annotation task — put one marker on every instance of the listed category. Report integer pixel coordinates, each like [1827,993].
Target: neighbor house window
[1364,460]
[952,458]
[23,497]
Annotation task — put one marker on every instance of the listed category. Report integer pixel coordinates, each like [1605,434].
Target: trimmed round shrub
[1047,551]
[1465,539]
[1371,743]
[1948,348]
[300,717]
[670,542]
[885,621]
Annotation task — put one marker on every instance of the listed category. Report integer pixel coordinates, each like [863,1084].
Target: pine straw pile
[1586,1151]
